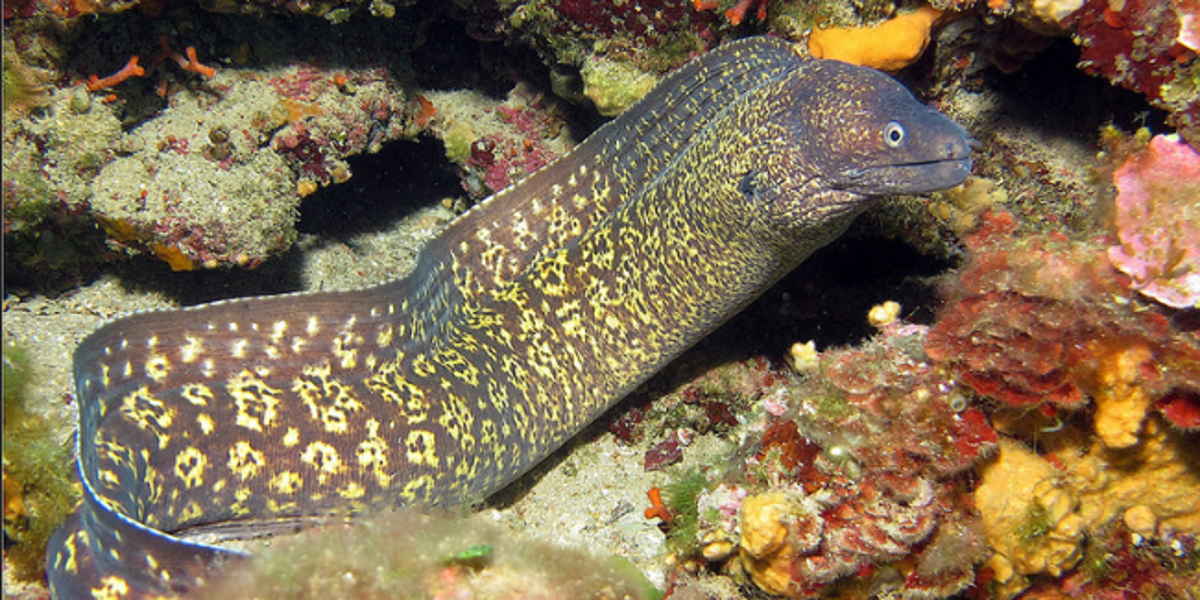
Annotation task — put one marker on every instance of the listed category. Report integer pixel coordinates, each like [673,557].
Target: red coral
[1015,349]
[737,13]
[1031,318]
[657,509]
[131,69]
[1182,409]
[1143,46]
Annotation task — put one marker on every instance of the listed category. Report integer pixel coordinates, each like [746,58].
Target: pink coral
[1158,222]
[502,159]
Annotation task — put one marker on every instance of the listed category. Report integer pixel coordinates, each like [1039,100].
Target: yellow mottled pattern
[521,323]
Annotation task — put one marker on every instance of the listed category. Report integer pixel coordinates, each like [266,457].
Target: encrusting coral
[1039,511]
[1045,322]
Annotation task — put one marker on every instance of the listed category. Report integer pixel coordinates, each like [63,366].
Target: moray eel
[522,322]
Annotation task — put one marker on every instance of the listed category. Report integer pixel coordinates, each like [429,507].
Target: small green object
[1035,524]
[628,571]
[475,557]
[680,496]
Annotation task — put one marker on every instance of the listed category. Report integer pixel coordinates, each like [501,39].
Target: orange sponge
[889,46]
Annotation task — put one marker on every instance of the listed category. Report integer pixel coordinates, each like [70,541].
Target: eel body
[522,322]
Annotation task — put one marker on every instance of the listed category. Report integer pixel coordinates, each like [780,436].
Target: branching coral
[131,69]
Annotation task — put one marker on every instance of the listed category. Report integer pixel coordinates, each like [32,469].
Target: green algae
[458,140]
[613,85]
[39,482]
[1035,523]
[680,497]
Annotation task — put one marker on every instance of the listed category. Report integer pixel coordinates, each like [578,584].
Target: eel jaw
[906,178]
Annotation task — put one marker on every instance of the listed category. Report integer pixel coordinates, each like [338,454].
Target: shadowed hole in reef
[387,186]
[1052,94]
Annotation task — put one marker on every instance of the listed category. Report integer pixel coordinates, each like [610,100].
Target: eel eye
[893,134]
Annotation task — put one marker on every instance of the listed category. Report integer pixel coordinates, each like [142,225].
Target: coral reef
[1042,321]
[652,35]
[211,191]
[1041,511]
[197,165]
[49,161]
[1029,515]
[854,475]
[1038,438]
[846,483]
[1126,560]
[613,85]
[495,144]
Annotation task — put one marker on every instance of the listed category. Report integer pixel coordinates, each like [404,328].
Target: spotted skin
[522,322]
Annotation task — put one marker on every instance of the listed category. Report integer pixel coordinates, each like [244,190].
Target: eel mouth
[917,177]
